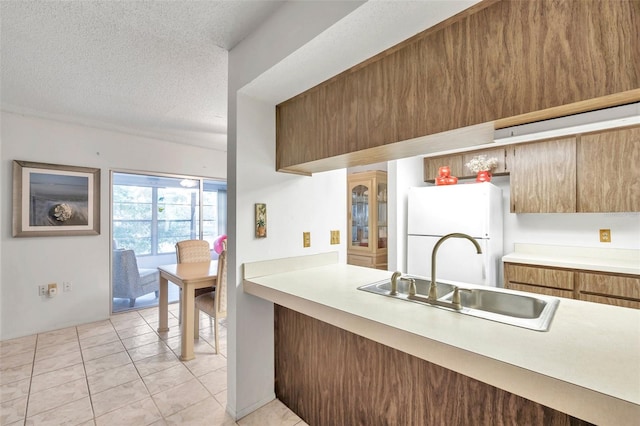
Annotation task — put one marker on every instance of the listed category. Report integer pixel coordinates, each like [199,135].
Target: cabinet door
[337,118]
[386,90]
[360,193]
[608,177]
[432,164]
[543,177]
[535,279]
[609,289]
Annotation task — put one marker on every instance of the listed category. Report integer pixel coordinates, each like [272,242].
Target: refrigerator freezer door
[441,210]
[456,260]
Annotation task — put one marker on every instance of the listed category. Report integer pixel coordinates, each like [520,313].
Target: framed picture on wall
[55,200]
[261,220]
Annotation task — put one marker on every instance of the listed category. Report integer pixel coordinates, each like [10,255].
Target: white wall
[295,204]
[84,260]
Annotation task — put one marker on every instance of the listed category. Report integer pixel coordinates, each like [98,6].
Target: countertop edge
[572,399]
[531,255]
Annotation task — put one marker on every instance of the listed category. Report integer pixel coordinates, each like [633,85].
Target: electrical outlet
[605,235]
[335,237]
[52,289]
[42,290]
[306,239]
[67,286]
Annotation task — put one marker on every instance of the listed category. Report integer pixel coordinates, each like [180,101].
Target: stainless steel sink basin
[520,309]
[513,305]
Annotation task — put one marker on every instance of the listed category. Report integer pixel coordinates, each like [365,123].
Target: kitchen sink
[514,305]
[511,307]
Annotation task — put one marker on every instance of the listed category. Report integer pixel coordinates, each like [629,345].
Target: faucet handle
[412,286]
[455,299]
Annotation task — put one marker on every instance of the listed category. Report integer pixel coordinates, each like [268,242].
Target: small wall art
[55,200]
[261,220]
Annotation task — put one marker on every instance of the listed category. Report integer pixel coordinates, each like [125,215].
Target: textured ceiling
[159,68]
[155,68]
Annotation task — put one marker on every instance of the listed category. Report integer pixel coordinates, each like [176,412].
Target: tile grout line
[86,376]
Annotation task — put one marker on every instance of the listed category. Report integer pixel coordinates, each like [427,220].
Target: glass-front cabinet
[367,219]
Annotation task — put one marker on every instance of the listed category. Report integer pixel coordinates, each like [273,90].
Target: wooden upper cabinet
[432,164]
[543,177]
[444,84]
[517,69]
[480,66]
[609,171]
[386,95]
[337,117]
[291,135]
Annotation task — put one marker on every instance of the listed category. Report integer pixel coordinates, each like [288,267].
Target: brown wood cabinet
[596,172]
[329,376]
[607,288]
[608,174]
[479,66]
[610,289]
[367,219]
[552,282]
[456,163]
[543,177]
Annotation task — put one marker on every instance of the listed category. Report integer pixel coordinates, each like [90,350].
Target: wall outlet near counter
[605,235]
[335,237]
[52,290]
[306,239]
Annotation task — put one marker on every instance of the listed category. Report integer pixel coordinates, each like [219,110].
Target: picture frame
[261,220]
[55,200]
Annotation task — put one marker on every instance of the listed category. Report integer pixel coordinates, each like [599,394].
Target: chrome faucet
[433,292]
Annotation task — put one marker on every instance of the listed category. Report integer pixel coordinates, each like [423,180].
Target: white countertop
[586,365]
[620,261]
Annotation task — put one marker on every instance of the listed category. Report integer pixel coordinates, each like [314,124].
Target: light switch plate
[605,235]
[306,239]
[335,237]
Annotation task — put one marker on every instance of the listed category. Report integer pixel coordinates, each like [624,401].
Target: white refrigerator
[474,209]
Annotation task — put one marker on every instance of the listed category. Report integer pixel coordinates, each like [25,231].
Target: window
[151,213]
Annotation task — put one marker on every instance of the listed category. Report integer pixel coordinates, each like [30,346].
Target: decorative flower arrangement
[62,212]
[482,163]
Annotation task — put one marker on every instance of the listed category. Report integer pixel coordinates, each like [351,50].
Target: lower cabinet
[611,289]
[329,376]
[552,282]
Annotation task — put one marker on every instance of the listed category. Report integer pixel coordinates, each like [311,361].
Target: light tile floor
[121,372]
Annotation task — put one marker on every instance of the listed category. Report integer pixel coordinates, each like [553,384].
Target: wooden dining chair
[214,303]
[192,251]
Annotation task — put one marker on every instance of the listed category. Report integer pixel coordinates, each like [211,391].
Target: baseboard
[248,410]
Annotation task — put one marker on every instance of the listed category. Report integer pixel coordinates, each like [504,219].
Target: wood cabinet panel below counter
[611,289]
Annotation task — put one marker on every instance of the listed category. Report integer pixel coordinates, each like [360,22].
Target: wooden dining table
[189,277]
